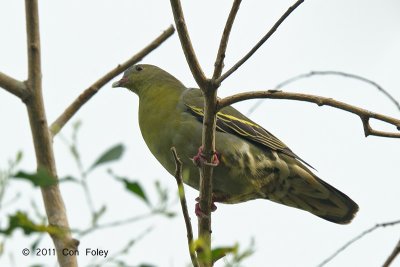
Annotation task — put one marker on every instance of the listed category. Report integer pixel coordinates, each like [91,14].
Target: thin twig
[329,72]
[125,250]
[219,61]
[57,125]
[358,237]
[53,202]
[187,47]
[260,43]
[182,198]
[364,114]
[393,255]
[113,224]
[14,86]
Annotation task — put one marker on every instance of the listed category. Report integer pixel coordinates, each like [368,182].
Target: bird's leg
[200,159]
[199,212]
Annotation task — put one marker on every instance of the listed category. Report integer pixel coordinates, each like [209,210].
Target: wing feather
[243,127]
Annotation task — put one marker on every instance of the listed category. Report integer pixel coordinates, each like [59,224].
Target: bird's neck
[157,114]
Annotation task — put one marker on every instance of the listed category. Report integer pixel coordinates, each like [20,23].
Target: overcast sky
[82,40]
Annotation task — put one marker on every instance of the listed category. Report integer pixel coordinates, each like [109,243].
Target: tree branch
[344,74]
[52,198]
[182,198]
[338,73]
[187,47]
[59,123]
[260,43]
[393,255]
[209,90]
[341,249]
[364,114]
[14,86]
[219,61]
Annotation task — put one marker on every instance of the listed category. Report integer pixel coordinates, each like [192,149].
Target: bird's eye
[139,68]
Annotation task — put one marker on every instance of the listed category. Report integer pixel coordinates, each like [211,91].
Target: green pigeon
[252,162]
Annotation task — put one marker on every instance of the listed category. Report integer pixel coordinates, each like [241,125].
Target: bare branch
[260,43]
[14,86]
[182,198]
[219,61]
[358,237]
[344,74]
[187,47]
[93,228]
[393,255]
[52,198]
[338,73]
[70,111]
[364,114]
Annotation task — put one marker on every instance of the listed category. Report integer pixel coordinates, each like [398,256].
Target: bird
[251,162]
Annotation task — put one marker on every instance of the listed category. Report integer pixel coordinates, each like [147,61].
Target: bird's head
[138,78]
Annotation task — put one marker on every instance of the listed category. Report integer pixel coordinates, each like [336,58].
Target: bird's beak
[120,83]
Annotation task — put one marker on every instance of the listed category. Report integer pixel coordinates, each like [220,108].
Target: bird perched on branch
[253,163]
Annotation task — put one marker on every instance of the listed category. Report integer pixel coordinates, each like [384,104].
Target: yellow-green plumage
[253,163]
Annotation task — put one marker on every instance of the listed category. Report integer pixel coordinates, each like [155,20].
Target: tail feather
[304,190]
[341,208]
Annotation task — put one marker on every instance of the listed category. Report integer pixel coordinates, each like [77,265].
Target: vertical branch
[187,47]
[208,135]
[206,171]
[182,198]
[53,201]
[219,61]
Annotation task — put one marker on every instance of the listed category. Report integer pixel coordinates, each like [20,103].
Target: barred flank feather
[300,188]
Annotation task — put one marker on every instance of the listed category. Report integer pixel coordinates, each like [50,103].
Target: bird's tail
[304,190]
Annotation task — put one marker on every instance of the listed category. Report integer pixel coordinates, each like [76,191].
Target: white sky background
[82,40]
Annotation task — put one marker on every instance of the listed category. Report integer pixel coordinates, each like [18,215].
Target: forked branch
[260,43]
[365,115]
[209,88]
[14,86]
[330,72]
[358,237]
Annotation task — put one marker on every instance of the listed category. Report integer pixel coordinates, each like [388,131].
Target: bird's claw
[200,159]
[199,212]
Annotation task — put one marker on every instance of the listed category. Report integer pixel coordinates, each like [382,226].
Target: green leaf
[41,178]
[219,253]
[20,220]
[135,188]
[111,154]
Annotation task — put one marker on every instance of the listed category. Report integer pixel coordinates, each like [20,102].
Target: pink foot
[199,212]
[200,158]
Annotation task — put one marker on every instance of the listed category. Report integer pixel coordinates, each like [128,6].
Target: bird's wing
[231,121]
